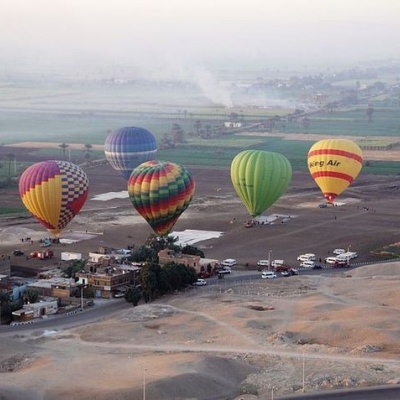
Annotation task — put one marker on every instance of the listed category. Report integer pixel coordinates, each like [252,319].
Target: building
[54,287]
[106,281]
[167,256]
[35,310]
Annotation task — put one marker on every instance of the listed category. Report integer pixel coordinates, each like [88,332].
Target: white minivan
[229,262]
[268,275]
[307,264]
[306,257]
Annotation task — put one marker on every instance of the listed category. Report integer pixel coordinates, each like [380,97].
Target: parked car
[200,282]
[268,275]
[307,264]
[262,263]
[339,251]
[277,263]
[229,262]
[18,253]
[306,257]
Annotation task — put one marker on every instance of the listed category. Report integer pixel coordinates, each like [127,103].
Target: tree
[4,306]
[197,126]
[73,268]
[306,124]
[369,112]
[133,295]
[10,157]
[64,148]
[177,133]
[87,148]
[31,295]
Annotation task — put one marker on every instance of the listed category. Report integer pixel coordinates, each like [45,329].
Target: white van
[277,263]
[307,264]
[268,275]
[306,257]
[229,262]
[263,263]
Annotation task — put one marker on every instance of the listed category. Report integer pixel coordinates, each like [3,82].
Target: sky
[176,36]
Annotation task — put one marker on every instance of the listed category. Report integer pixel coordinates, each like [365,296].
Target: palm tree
[64,148]
[10,157]
[87,148]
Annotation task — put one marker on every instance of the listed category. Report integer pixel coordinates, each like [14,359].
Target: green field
[72,113]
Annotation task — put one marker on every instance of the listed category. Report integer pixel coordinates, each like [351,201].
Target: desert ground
[227,341]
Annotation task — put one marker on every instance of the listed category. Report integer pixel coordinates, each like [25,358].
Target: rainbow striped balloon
[334,164]
[53,192]
[160,192]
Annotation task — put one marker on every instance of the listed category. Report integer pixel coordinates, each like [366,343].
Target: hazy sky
[174,35]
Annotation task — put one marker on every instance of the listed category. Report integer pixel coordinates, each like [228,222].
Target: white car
[200,282]
[306,257]
[229,262]
[339,251]
[307,264]
[277,263]
[268,275]
[331,260]
[263,263]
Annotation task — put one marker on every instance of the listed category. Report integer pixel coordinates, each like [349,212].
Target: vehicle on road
[294,271]
[200,282]
[224,270]
[317,267]
[281,268]
[307,264]
[268,275]
[286,273]
[18,253]
[331,260]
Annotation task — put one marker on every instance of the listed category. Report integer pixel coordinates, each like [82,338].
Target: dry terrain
[228,340]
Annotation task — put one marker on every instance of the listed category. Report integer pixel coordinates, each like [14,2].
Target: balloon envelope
[334,164]
[260,178]
[126,148]
[54,192]
[160,192]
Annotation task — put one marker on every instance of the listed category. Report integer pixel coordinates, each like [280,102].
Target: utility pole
[269,260]
[144,384]
[303,372]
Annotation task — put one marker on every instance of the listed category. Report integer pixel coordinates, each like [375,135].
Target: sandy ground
[227,340]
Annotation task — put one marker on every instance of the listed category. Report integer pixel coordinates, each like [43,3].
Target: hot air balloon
[160,192]
[54,192]
[126,148]
[260,178]
[334,164]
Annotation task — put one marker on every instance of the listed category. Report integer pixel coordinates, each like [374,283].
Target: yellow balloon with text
[334,164]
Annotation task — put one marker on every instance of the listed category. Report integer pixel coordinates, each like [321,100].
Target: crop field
[73,113]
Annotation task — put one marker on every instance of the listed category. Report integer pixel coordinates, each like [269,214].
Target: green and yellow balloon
[260,178]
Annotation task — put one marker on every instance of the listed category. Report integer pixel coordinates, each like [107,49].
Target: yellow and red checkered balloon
[54,192]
